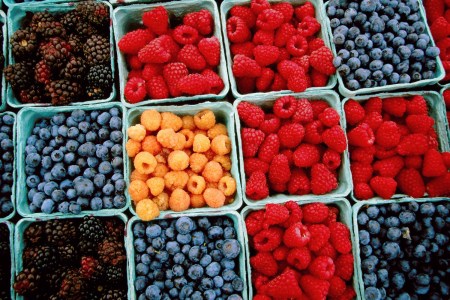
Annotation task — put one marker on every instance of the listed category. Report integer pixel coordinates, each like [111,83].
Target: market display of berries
[404,250]
[80,259]
[60,58]
[5,266]
[299,252]
[277,47]
[74,162]
[381,43]
[446,96]
[295,147]
[188,258]
[6,163]
[167,60]
[394,149]
[180,162]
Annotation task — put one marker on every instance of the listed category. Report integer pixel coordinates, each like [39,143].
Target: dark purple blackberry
[53,29]
[24,43]
[114,228]
[91,229]
[63,92]
[33,94]
[55,278]
[115,275]
[44,258]
[76,44]
[86,247]
[40,20]
[94,12]
[68,255]
[74,70]
[97,50]
[114,295]
[4,242]
[70,20]
[60,232]
[111,252]
[18,75]
[85,30]
[99,82]
[55,52]
[72,285]
[27,282]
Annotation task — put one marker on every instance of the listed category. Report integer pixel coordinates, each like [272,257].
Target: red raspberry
[253,164]
[134,73]
[157,88]
[215,82]
[134,91]
[413,161]
[172,73]
[322,267]
[349,294]
[361,136]
[395,106]
[157,20]
[287,68]
[388,134]
[281,253]
[192,58]
[283,33]
[314,288]
[297,45]
[256,188]
[237,30]
[333,213]
[134,41]
[315,44]
[299,258]
[289,154]
[151,70]
[384,187]
[413,144]
[389,167]
[354,112]
[320,234]
[433,164]
[322,60]
[446,100]
[268,239]
[318,79]
[340,237]
[264,37]
[210,49]
[306,155]
[327,250]
[269,148]
[331,159]
[313,133]
[295,213]
[382,153]
[337,287]
[305,10]
[291,135]
[279,83]
[374,104]
[269,19]
[275,214]
[434,9]
[184,34]
[419,123]
[440,28]
[298,82]
[284,286]
[284,55]
[261,297]
[154,52]
[315,212]
[304,63]
[344,266]
[264,263]
[286,9]
[296,235]
[446,158]
[318,106]
[279,172]
[133,62]
[193,84]
[308,27]
[245,13]
[411,183]
[254,222]
[363,155]
[259,280]
[201,20]
[299,183]
[257,6]
[245,67]
[271,124]
[245,48]
[304,112]
[251,114]
[266,55]
[264,82]
[439,186]
[279,188]
[169,44]
[251,140]
[334,138]
[246,84]
[374,120]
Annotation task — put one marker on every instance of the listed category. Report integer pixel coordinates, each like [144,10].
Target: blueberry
[364,237]
[33,160]
[92,162]
[369,264]
[108,189]
[228,275]
[213,269]
[96,203]
[422,43]
[391,250]
[116,136]
[375,65]
[370,279]
[361,41]
[407,217]
[231,248]
[83,186]
[373,227]
[153,292]
[368,6]
[215,232]
[372,212]
[153,231]
[48,206]
[91,136]
[362,218]
[184,238]
[372,293]
[353,84]
[195,272]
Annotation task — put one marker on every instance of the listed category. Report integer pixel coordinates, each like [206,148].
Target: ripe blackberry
[74,70]
[24,43]
[111,252]
[114,275]
[85,30]
[40,20]
[42,72]
[53,29]
[33,94]
[27,282]
[97,50]
[63,91]
[60,232]
[55,278]
[44,258]
[67,255]
[96,13]
[18,75]
[4,242]
[114,228]
[91,229]
[76,44]
[28,254]
[55,52]
[90,294]
[114,295]
[86,247]
[100,82]
[70,20]
[72,285]
[91,269]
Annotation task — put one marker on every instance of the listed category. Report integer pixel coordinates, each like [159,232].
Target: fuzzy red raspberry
[184,34]
[151,70]
[297,45]
[304,112]
[264,37]
[361,136]
[132,61]
[419,123]
[313,287]
[279,172]
[374,120]
[413,161]
[269,148]
[334,138]
[384,187]
[340,237]
[327,250]
[266,55]
[298,82]
[210,49]
[361,172]
[245,13]
[245,48]
[134,41]
[314,44]
[320,234]
[302,11]
[269,19]
[329,117]
[264,82]
[281,253]
[317,79]
[256,186]
[299,183]
[154,52]
[134,73]
[237,30]
[157,88]
[271,124]
[253,164]
[275,214]
[322,180]
[433,164]
[354,112]
[374,104]
[157,20]
[297,235]
[245,67]
[439,186]
[440,28]
[308,27]
[193,84]
[264,263]
[331,159]
[313,132]
[254,222]
[388,134]
[251,141]
[446,158]
[315,212]
[337,287]
[363,155]
[411,182]
[134,90]
[286,9]
[322,267]
[318,106]
[201,20]
[306,155]
[413,144]
[295,213]
[287,68]
[299,258]
[279,83]
[389,167]
[304,63]
[268,239]
[344,266]
[192,58]
[284,286]
[434,9]
[283,34]
[322,60]
[215,81]
[395,106]
[172,73]
[251,114]
[291,135]
[257,6]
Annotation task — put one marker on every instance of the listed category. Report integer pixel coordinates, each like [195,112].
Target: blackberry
[97,50]
[76,44]
[91,229]
[86,247]
[40,21]
[63,91]
[24,43]
[114,228]
[100,82]
[42,72]
[27,282]
[90,294]
[111,252]
[85,30]
[44,258]
[55,52]
[18,75]
[33,94]
[28,254]
[114,275]
[53,29]
[70,20]
[114,295]
[55,278]
[72,285]
[75,69]
[60,232]
[4,241]
[67,255]
[91,269]
[96,13]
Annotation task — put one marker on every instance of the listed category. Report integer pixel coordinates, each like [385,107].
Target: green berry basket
[12,254]
[267,101]
[444,88]
[14,172]
[127,18]
[26,120]
[439,75]
[10,3]
[5,55]
[356,208]
[18,12]
[436,110]
[224,113]
[239,226]
[23,224]
[227,5]
[345,210]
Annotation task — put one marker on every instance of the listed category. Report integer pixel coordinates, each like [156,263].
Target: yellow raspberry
[156,185]
[167,138]
[190,173]
[227,174]
[138,190]
[210,154]
[160,170]
[176,180]
[178,160]
[181,141]
[197,161]
[201,143]
[188,122]
[162,200]
[205,119]
[213,185]
[147,210]
[196,184]
[145,162]
[179,200]
[151,120]
[187,151]
[151,145]
[135,175]
[171,120]
[133,147]
[227,185]
[221,144]
[189,136]
[214,198]
[216,130]
[137,132]
[199,131]
[212,171]
[224,161]
[197,201]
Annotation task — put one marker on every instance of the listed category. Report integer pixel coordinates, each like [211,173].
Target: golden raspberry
[196,184]
[151,120]
[179,200]
[213,185]
[224,161]
[147,210]
[133,147]
[227,185]
[156,185]
[197,201]
[190,173]
[176,180]
[160,170]
[205,119]
[145,162]
[214,198]
[187,151]
[216,130]
[161,159]
[137,132]
[167,138]
[201,143]
[171,120]
[189,136]
[197,161]
[199,131]
[150,144]
[138,190]
[221,144]
[135,175]
[227,174]
[212,171]
[162,200]
[210,154]
[181,141]
[178,160]
[188,122]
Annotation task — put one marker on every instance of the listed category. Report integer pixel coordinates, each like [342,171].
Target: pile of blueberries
[405,250]
[6,163]
[74,162]
[187,258]
[381,42]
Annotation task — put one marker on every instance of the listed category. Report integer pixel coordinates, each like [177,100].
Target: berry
[389,167]
[134,41]
[279,172]
[322,180]
[251,141]
[334,138]
[254,164]
[306,155]
[275,214]
[193,84]
[269,148]
[299,183]
[320,235]
[313,287]
[154,52]
[413,144]
[184,34]
[300,258]
[245,13]
[237,30]
[135,90]
[268,239]
[385,187]
[269,19]
[344,266]
[329,117]
[361,136]
[322,60]
[251,114]
[433,164]
[417,105]
[291,135]
[210,49]
[296,235]
[411,183]
[157,20]
[340,237]
[245,67]
[304,112]
[305,10]
[192,58]
[156,88]
[322,267]
[254,222]
[315,212]
[284,285]
[256,187]
[201,20]
[419,123]
[264,263]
